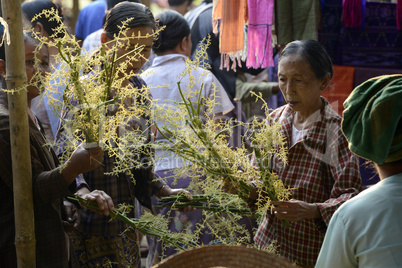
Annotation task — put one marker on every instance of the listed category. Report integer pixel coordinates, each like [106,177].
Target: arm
[344,167]
[336,250]
[244,89]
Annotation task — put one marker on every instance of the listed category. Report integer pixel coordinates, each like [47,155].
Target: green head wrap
[372,119]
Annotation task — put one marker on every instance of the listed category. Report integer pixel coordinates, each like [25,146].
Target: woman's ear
[185,46]
[2,68]
[104,38]
[38,28]
[325,81]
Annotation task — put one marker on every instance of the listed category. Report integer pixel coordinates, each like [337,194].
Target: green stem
[144,227]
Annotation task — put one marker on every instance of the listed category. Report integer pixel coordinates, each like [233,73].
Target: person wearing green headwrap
[366,231]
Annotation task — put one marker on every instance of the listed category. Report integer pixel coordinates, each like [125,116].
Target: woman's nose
[44,69]
[289,89]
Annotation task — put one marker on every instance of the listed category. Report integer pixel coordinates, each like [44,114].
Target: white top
[92,41]
[366,231]
[162,78]
[297,134]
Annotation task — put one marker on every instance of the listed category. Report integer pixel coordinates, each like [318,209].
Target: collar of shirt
[316,131]
[159,60]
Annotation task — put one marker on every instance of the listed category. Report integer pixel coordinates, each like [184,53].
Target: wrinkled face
[36,73]
[137,37]
[299,84]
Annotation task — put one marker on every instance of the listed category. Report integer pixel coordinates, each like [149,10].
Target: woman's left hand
[167,191]
[295,210]
[70,217]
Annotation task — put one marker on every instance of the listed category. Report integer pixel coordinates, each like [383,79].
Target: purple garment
[378,44]
[259,34]
[276,100]
[399,14]
[331,24]
[353,13]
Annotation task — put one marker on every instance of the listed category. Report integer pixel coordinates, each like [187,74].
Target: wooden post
[146,2]
[76,10]
[19,136]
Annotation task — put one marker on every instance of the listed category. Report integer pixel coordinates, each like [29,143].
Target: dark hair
[174,3]
[112,3]
[176,29]
[139,14]
[312,51]
[32,8]
[3,51]
[28,36]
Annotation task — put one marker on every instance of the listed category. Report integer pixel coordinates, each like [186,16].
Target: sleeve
[336,250]
[62,145]
[214,89]
[146,184]
[5,163]
[343,166]
[244,89]
[48,185]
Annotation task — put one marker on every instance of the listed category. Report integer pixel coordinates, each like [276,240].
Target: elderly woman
[50,183]
[321,171]
[366,231]
[47,28]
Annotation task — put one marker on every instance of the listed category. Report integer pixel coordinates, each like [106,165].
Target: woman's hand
[104,201]
[251,201]
[295,210]
[70,216]
[85,160]
[81,161]
[167,191]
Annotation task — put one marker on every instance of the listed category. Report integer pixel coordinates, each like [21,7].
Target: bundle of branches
[99,106]
[148,224]
[210,202]
[205,145]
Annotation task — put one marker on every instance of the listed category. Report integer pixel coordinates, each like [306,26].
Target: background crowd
[332,220]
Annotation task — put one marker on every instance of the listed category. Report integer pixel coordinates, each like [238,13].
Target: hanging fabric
[259,33]
[229,19]
[399,14]
[297,20]
[353,13]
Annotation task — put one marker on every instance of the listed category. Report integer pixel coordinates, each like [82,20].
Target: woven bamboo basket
[224,257]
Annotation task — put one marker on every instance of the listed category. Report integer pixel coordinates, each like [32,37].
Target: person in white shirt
[366,231]
[172,49]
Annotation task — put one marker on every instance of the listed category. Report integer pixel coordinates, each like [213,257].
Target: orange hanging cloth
[229,19]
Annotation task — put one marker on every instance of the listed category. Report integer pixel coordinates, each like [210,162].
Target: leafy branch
[146,227]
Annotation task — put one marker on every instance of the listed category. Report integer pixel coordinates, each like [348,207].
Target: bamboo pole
[146,2]
[19,137]
[76,11]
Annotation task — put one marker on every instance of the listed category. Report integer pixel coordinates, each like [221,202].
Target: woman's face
[299,84]
[35,74]
[137,37]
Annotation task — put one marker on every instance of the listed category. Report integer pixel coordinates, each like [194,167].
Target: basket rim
[216,255]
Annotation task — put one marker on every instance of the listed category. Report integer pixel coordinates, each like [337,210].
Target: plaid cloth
[49,188]
[321,170]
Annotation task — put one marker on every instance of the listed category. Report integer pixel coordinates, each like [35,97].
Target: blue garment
[366,231]
[90,19]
